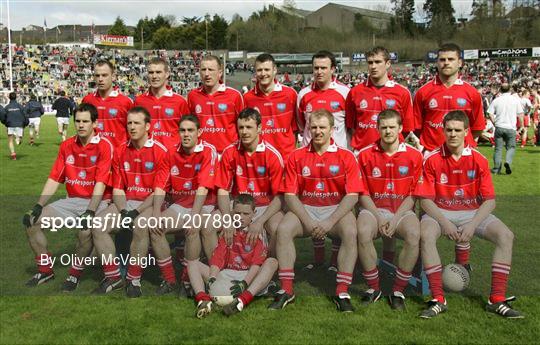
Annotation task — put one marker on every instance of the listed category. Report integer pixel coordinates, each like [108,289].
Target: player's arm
[252,273]
[296,207]
[482,213]
[224,201]
[97,195]
[31,217]
[448,228]
[406,205]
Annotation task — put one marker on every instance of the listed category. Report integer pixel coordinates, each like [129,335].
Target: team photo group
[241,176]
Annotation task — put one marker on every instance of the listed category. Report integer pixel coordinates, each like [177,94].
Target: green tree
[404,11]
[118,28]
[217,32]
[441,20]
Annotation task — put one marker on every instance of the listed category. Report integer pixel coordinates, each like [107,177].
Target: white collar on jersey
[389,83]
[199,147]
[222,88]
[331,148]
[261,147]
[114,93]
[94,140]
[167,93]
[438,80]
[467,151]
[402,147]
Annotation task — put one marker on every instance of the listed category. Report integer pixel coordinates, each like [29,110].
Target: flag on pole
[45,22]
[58,30]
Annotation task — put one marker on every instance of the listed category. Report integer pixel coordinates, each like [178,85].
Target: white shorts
[460,218]
[320,213]
[16,131]
[74,207]
[62,120]
[206,209]
[34,121]
[222,285]
[132,204]
[259,212]
[387,215]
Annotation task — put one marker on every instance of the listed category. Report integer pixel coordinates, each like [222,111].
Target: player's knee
[207,233]
[412,236]
[505,237]
[140,234]
[271,263]
[84,236]
[348,234]
[427,235]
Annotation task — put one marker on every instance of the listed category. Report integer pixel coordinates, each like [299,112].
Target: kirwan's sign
[113,40]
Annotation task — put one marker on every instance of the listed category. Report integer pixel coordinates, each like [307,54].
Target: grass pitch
[45,315]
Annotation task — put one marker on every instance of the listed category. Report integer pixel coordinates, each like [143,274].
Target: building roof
[362,11]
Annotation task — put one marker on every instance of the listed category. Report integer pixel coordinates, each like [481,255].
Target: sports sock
[343,280]
[246,297]
[286,278]
[44,263]
[202,296]
[318,251]
[499,281]
[76,270]
[434,276]
[372,278]
[401,280]
[134,272]
[463,251]
[167,270]
[111,271]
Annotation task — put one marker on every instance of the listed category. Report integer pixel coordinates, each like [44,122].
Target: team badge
[334,105]
[471,174]
[270,123]
[281,106]
[100,126]
[374,117]
[376,172]
[93,159]
[187,185]
[390,103]
[247,248]
[334,169]
[309,108]
[169,112]
[70,159]
[237,259]
[239,170]
[82,174]
[197,167]
[149,166]
[210,122]
[157,125]
[459,193]
[261,170]
[444,179]
[222,107]
[251,186]
[306,171]
[137,180]
[127,167]
[198,109]
[113,112]
[403,170]
[390,186]
[433,103]
[320,186]
[363,104]
[174,170]
[462,102]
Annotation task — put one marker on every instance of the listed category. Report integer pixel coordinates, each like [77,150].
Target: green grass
[44,315]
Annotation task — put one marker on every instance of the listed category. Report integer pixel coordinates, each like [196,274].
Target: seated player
[242,267]
[140,172]
[458,198]
[192,168]
[390,170]
[83,164]
[321,186]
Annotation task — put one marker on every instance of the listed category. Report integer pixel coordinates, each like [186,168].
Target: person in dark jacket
[15,120]
[34,110]
[64,109]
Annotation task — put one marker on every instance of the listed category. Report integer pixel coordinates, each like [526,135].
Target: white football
[455,278]
[223,300]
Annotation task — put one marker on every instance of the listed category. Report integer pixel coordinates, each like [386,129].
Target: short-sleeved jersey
[364,104]
[390,179]
[217,113]
[81,167]
[259,174]
[112,112]
[278,115]
[241,255]
[312,98]
[166,112]
[434,100]
[456,185]
[140,171]
[189,171]
[322,180]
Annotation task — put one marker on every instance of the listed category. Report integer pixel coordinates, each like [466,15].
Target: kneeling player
[390,170]
[83,164]
[192,168]
[248,265]
[321,186]
[458,198]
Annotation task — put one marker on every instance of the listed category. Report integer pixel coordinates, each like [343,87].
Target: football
[455,278]
[223,300]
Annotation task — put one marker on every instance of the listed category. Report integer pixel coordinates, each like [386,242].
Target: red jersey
[191,171]
[456,185]
[81,167]
[312,98]
[390,179]
[112,113]
[278,115]
[434,100]
[166,112]
[364,104]
[259,174]
[217,113]
[322,180]
[140,171]
[241,255]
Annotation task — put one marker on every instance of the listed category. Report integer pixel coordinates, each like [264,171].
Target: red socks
[167,270]
[286,278]
[372,278]
[343,280]
[499,281]
[434,276]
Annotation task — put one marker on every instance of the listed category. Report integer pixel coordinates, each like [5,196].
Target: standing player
[390,170]
[34,110]
[447,92]
[527,111]
[14,118]
[112,106]
[216,105]
[192,168]
[64,108]
[324,93]
[83,164]
[321,187]
[241,270]
[277,105]
[458,197]
[165,106]
[140,173]
[252,166]
[367,100]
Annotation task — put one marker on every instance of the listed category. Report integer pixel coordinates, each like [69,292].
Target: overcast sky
[61,12]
